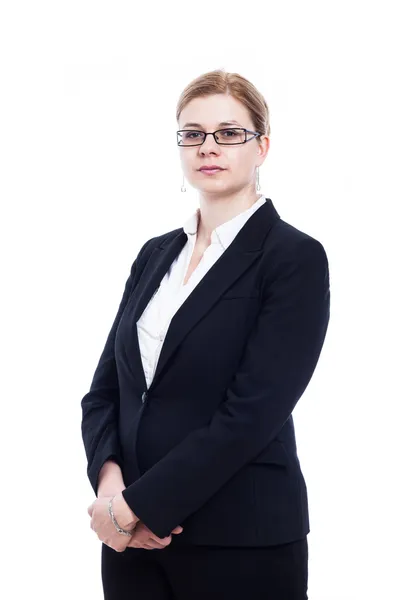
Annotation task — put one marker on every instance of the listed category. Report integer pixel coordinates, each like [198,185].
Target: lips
[211,168]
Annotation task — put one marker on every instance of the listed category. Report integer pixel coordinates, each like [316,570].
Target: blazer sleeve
[99,424]
[279,359]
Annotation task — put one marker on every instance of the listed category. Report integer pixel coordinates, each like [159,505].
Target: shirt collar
[226,232]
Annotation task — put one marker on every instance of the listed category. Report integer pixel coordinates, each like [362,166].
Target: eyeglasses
[225,137]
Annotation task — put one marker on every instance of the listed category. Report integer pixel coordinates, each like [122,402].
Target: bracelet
[117,527]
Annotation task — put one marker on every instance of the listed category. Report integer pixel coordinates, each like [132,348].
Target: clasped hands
[141,537]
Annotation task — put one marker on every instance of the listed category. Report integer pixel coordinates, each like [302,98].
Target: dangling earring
[183,189]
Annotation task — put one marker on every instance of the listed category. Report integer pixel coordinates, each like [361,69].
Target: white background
[83,186]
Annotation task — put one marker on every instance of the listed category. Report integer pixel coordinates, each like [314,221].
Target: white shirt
[155,319]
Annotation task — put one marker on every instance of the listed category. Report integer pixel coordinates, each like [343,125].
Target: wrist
[123,513]
[110,488]
[110,477]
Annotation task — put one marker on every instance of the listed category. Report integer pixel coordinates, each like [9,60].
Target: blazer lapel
[245,249]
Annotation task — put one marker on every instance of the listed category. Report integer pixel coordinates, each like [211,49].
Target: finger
[154,541]
[151,543]
[163,541]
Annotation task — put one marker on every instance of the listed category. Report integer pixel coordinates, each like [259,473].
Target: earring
[183,189]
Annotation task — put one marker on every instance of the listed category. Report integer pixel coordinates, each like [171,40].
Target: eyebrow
[222,123]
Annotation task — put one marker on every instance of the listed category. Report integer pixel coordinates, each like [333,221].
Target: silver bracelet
[117,527]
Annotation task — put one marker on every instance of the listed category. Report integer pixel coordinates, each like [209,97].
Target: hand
[102,524]
[144,538]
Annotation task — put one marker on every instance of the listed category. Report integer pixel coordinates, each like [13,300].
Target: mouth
[208,171]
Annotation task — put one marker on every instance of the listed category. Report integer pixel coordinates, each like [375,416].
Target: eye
[190,134]
[232,132]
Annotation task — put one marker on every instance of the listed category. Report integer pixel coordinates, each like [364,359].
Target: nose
[209,143]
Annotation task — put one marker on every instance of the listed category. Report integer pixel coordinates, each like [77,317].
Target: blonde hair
[221,82]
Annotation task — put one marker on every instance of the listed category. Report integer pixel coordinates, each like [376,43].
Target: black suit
[211,444]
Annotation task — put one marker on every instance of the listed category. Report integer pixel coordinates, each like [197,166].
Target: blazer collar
[244,250]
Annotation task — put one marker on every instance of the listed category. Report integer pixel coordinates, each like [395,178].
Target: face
[239,161]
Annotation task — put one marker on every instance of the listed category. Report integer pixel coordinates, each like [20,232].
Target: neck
[216,211]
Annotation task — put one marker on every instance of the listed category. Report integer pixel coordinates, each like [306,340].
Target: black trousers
[206,573]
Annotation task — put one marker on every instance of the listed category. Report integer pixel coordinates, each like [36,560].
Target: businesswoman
[188,426]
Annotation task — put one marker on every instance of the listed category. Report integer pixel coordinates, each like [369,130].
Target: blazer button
[144,397]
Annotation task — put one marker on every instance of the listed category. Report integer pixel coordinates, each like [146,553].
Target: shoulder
[156,241]
[286,242]
[292,254]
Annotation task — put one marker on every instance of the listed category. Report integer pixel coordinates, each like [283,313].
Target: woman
[188,425]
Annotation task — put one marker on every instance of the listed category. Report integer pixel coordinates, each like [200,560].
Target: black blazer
[211,444]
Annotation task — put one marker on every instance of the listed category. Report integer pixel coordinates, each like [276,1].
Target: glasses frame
[255,134]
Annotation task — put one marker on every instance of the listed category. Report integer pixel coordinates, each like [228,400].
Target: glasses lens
[224,136]
[231,136]
[190,138]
